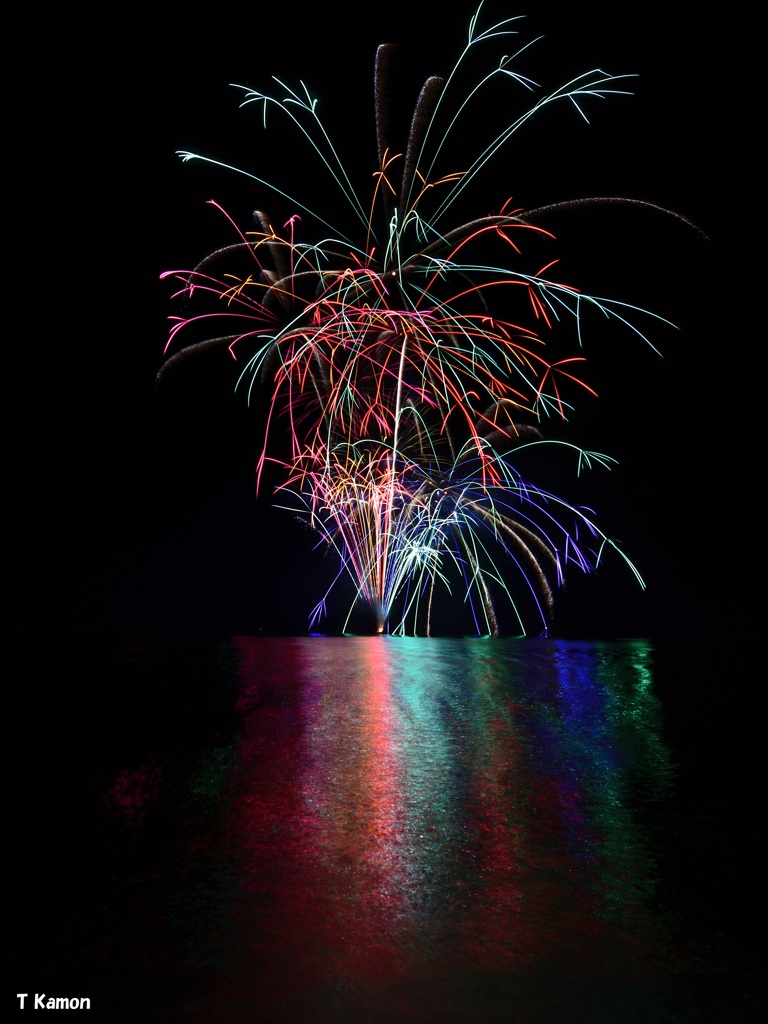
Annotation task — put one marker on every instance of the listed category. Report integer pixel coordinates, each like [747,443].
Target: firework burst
[411,366]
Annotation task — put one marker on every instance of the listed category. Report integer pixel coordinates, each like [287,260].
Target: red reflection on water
[352,777]
[133,791]
[316,820]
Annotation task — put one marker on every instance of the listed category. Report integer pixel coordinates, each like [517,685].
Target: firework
[411,363]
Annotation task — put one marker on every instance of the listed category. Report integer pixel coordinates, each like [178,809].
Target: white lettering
[55,1002]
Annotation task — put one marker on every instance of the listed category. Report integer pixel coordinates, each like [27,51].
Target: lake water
[370,829]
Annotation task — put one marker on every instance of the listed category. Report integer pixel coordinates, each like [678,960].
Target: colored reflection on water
[438,830]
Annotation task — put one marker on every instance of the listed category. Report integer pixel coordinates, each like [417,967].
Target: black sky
[134,508]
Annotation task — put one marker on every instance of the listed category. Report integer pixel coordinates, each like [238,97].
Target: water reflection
[441,830]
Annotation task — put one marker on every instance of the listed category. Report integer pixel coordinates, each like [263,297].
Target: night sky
[133,506]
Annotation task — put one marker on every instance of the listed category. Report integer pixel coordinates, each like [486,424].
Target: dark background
[133,507]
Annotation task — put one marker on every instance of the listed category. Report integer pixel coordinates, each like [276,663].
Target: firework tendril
[411,393]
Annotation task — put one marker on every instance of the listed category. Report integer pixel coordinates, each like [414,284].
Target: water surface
[375,829]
